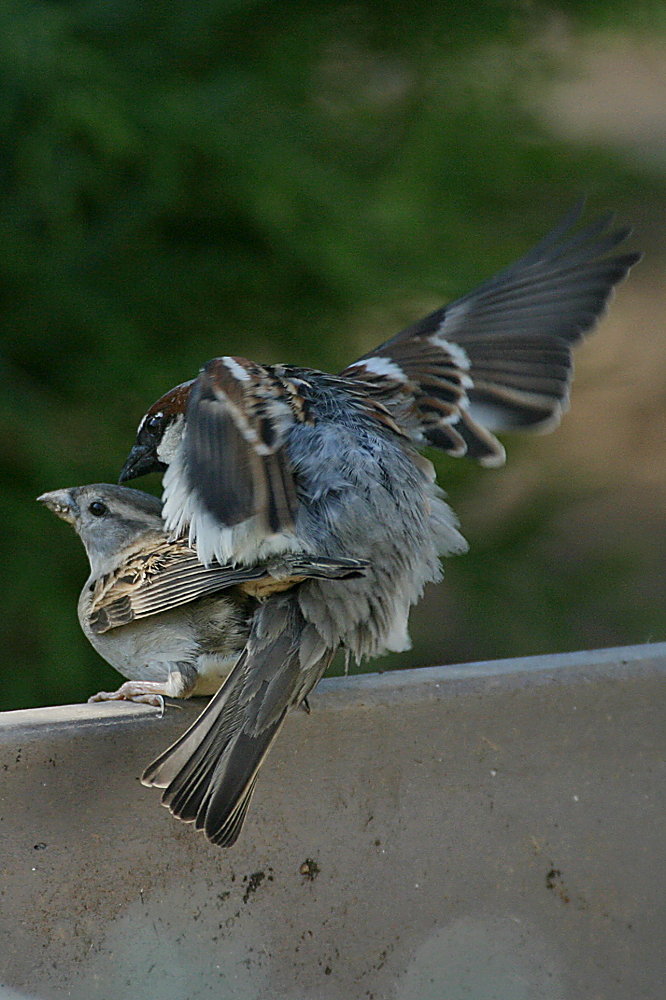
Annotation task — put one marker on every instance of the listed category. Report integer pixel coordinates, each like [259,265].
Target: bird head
[107,518]
[158,435]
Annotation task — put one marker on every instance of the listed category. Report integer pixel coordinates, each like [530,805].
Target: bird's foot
[142,692]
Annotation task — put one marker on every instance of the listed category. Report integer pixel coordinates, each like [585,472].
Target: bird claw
[136,691]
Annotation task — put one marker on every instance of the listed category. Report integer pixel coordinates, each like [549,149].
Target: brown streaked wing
[167,577]
[236,462]
[170,575]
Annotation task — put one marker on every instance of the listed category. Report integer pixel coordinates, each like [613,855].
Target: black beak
[140,461]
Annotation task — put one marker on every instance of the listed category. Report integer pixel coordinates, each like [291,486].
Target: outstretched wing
[499,358]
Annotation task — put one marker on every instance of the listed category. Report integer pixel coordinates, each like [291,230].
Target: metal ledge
[489,831]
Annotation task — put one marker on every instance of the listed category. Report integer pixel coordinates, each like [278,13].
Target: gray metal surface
[489,832]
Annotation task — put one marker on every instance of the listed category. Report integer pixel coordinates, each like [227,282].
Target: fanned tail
[209,773]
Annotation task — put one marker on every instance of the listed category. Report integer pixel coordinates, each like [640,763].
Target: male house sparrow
[267,460]
[171,625]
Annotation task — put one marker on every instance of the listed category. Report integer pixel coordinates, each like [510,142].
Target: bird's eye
[97,508]
[154,424]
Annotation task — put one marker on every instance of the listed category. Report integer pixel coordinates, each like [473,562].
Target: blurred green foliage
[289,181]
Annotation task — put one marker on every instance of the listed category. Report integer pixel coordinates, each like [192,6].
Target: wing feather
[237,422]
[170,575]
[499,358]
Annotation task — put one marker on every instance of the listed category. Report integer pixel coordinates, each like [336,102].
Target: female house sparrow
[172,626]
[266,460]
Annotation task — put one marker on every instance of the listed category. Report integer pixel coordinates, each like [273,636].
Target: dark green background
[285,181]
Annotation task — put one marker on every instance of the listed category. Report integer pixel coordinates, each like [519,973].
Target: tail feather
[230,791]
[185,770]
[209,773]
[226,833]
[499,358]
[202,734]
